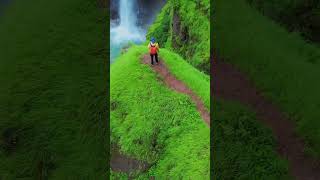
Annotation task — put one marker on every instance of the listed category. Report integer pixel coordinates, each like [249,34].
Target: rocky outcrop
[185,28]
[114,10]
[180,33]
[147,11]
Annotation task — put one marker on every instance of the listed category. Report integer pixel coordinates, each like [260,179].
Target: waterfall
[127,31]
[126,13]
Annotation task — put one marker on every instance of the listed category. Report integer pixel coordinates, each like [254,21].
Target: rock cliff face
[114,9]
[302,16]
[184,26]
[147,10]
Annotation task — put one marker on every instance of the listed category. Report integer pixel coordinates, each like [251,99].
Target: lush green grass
[192,39]
[160,28]
[118,175]
[282,65]
[296,15]
[153,123]
[242,147]
[200,83]
[124,176]
[53,78]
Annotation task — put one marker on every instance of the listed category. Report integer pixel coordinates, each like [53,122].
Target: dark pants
[152,56]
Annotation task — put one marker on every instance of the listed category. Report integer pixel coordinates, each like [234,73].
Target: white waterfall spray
[127,31]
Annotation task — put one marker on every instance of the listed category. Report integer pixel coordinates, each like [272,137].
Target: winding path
[122,163]
[230,84]
[177,85]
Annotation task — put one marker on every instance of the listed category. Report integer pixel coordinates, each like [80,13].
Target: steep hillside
[281,64]
[302,16]
[155,124]
[282,67]
[242,147]
[53,79]
[184,27]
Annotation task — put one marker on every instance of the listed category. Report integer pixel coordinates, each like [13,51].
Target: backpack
[153,49]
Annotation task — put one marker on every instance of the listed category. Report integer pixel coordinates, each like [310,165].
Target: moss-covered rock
[184,26]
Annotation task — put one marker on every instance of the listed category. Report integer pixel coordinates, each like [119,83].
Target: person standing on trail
[153,49]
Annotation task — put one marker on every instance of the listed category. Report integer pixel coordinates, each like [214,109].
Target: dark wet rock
[176,23]
[147,11]
[114,9]
[9,140]
[122,163]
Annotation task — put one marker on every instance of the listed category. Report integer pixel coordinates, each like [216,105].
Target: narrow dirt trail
[230,84]
[178,86]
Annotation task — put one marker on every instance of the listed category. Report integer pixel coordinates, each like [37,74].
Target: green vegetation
[155,124]
[160,29]
[282,65]
[302,16]
[184,27]
[243,148]
[53,106]
[118,175]
[200,83]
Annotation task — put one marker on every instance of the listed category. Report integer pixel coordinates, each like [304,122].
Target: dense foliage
[282,65]
[155,124]
[53,106]
[302,16]
[184,27]
[243,148]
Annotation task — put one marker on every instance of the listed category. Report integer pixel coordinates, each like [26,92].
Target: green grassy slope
[184,27]
[282,65]
[53,78]
[242,147]
[199,83]
[296,15]
[153,123]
